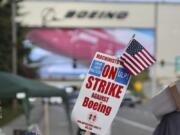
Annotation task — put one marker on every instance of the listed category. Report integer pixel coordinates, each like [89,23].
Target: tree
[6,43]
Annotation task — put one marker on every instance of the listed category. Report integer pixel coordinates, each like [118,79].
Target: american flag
[136,58]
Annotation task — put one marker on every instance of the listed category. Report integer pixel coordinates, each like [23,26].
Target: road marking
[135,124]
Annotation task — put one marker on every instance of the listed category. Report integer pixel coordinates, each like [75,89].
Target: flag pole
[133,36]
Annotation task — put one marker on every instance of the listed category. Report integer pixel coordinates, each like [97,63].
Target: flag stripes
[136,58]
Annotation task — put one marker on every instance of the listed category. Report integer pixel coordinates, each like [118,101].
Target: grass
[8,114]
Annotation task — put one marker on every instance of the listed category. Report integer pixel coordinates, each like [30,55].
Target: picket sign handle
[175,94]
[87,133]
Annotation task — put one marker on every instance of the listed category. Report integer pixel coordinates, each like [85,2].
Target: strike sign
[101,94]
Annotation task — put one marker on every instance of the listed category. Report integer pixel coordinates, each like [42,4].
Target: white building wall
[168,40]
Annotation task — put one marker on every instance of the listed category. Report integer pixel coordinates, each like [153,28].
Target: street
[127,122]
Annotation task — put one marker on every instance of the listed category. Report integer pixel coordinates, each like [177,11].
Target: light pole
[154,76]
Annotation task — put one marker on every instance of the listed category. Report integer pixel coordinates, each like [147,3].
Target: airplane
[78,44]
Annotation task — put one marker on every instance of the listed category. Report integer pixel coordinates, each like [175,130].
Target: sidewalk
[58,124]
[20,122]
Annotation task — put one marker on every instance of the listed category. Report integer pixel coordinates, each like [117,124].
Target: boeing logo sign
[84,14]
[50,14]
[96,14]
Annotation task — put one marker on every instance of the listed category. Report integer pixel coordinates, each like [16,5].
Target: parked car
[53,100]
[72,95]
[130,100]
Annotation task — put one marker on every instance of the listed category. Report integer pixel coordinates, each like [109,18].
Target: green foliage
[140,77]
[5,38]
[8,116]
[6,44]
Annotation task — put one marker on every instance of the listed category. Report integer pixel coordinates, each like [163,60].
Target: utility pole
[14,45]
[153,75]
[14,37]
